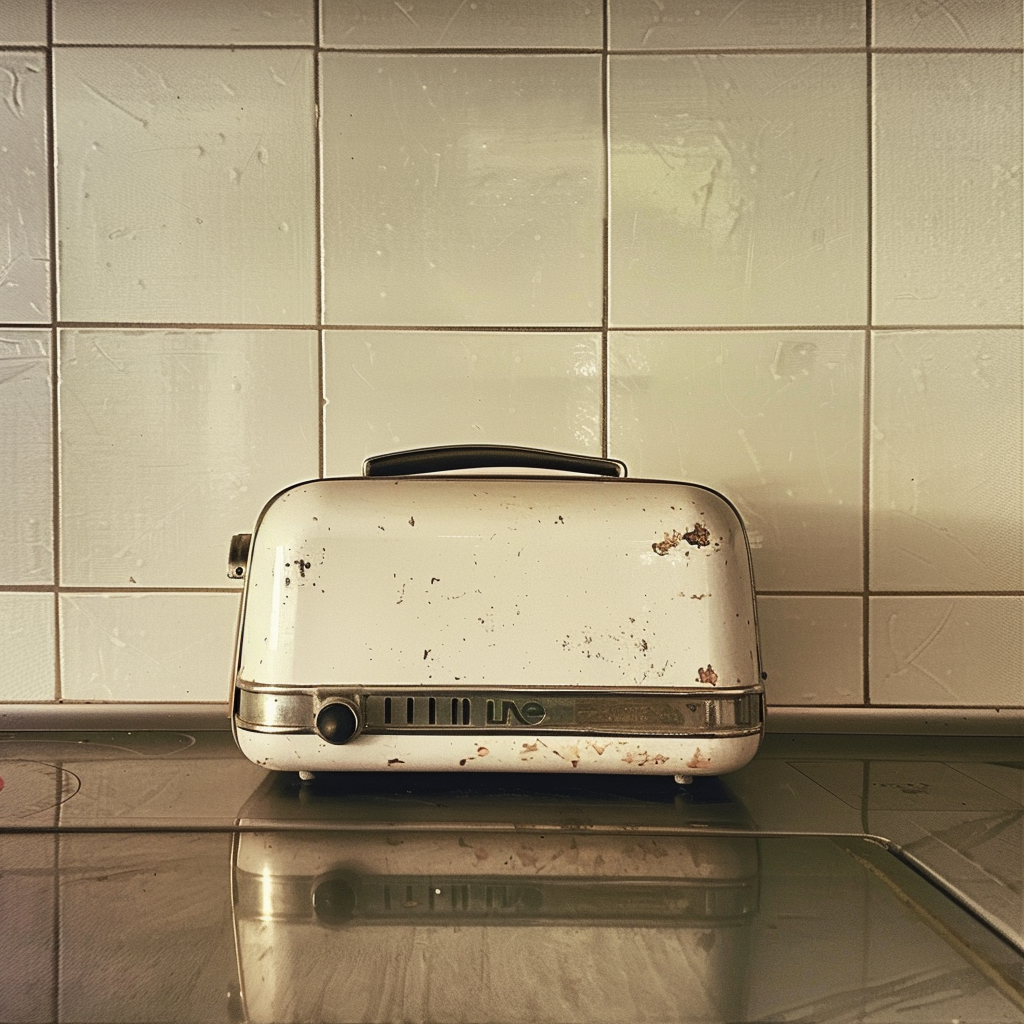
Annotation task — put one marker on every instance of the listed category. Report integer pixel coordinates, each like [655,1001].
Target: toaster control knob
[337,722]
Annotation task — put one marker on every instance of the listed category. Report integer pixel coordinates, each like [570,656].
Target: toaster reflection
[484,925]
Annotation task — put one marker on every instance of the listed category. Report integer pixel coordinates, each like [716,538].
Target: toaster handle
[481,456]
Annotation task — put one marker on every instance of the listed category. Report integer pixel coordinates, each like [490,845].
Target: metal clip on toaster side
[403,621]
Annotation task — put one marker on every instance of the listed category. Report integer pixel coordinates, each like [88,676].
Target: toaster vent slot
[438,712]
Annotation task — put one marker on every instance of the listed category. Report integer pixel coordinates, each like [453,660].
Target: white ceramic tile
[462,189]
[943,651]
[393,391]
[712,24]
[185,185]
[184,21]
[23,22]
[947,192]
[27,641]
[947,461]
[147,647]
[26,458]
[24,190]
[812,649]
[739,190]
[958,24]
[772,420]
[174,440]
[456,23]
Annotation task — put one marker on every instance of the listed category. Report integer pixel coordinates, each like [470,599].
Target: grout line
[468,51]
[605,235]
[318,189]
[866,520]
[318,221]
[868,364]
[532,51]
[734,51]
[126,325]
[149,590]
[945,593]
[946,49]
[183,46]
[55,418]
[810,593]
[55,462]
[870,99]
[321,402]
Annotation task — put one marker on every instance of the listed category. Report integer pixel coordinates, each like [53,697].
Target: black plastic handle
[482,456]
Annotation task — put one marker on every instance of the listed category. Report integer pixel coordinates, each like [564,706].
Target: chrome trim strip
[450,711]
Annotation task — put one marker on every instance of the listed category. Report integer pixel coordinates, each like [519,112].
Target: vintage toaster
[566,619]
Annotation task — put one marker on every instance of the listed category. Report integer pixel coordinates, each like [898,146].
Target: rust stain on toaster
[395,760]
[412,520]
[670,541]
[707,675]
[698,760]
[642,758]
[699,536]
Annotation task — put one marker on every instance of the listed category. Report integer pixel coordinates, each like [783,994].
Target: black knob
[334,901]
[337,723]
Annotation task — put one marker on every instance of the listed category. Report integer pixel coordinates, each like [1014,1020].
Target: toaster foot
[307,776]
[682,780]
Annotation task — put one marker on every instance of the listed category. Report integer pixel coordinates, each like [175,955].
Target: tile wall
[771,247]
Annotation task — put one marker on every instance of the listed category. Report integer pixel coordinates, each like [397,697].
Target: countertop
[157,875]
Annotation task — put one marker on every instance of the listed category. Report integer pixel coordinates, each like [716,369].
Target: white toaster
[570,620]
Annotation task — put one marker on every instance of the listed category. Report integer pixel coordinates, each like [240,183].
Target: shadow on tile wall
[770,248]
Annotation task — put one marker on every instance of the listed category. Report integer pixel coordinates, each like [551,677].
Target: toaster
[485,608]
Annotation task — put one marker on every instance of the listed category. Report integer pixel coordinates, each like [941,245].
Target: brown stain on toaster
[707,675]
[642,758]
[395,760]
[670,541]
[698,760]
[699,536]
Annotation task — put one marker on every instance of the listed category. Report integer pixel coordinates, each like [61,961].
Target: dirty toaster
[539,613]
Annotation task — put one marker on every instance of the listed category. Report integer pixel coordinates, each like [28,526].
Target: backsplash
[770,247]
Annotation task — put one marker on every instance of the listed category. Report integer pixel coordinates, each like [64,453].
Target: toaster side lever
[238,556]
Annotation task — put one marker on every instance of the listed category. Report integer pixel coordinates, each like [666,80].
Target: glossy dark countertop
[161,876]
